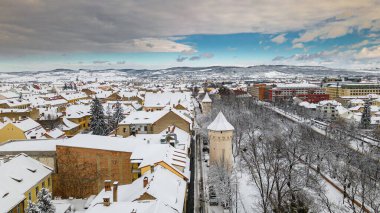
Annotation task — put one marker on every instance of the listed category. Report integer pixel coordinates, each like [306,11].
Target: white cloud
[326,32]
[279,39]
[298,45]
[369,53]
[156,45]
[29,27]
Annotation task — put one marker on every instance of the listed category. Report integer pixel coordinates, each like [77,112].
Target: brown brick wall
[81,171]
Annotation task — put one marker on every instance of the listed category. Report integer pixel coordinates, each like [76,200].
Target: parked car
[205,149]
[213,201]
[207,157]
[205,142]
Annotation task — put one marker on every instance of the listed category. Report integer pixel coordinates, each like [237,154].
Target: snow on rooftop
[164,185]
[26,124]
[299,85]
[68,125]
[144,117]
[55,133]
[167,99]
[78,111]
[20,174]
[220,123]
[206,99]
[101,142]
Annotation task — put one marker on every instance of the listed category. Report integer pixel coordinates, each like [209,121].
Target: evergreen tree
[44,203]
[32,208]
[365,121]
[98,124]
[109,117]
[65,87]
[117,115]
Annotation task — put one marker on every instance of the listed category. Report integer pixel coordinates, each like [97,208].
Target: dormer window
[32,169]
[18,179]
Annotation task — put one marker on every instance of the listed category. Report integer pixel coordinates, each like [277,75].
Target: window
[37,191]
[43,184]
[30,196]
[49,182]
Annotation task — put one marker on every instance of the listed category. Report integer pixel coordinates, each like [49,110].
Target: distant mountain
[212,72]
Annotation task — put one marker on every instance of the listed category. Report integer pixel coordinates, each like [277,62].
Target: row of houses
[312,93]
[142,166]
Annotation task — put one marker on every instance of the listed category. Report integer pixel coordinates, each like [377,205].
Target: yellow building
[352,90]
[21,129]
[18,114]
[146,157]
[79,115]
[153,122]
[22,178]
[74,97]
[70,128]
[14,103]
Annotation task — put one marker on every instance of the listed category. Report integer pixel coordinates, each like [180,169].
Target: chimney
[173,129]
[107,185]
[115,185]
[145,181]
[106,201]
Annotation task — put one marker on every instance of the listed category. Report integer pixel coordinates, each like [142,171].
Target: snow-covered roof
[14,102]
[55,133]
[17,176]
[206,99]
[144,117]
[296,86]
[149,154]
[26,124]
[146,206]
[68,125]
[165,186]
[9,94]
[357,101]
[167,99]
[73,96]
[78,111]
[332,102]
[101,142]
[48,145]
[308,105]
[220,123]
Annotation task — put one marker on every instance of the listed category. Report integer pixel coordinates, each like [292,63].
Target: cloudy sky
[49,34]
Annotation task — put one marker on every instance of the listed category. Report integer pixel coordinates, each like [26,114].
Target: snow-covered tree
[44,203]
[221,180]
[98,125]
[32,208]
[365,121]
[109,117]
[117,114]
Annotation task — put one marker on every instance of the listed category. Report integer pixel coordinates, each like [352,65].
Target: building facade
[306,92]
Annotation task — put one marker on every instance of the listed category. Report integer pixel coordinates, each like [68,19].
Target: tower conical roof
[220,124]
[206,99]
